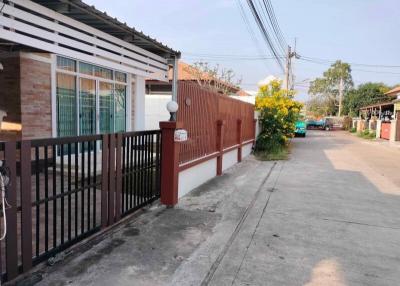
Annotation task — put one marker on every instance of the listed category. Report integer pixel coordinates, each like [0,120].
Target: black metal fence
[65,189]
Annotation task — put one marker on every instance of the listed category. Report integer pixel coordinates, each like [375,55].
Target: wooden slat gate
[65,189]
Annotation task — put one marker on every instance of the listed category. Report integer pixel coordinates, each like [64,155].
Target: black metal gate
[66,189]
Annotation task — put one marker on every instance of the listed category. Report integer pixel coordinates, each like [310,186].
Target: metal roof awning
[89,15]
[377,105]
[73,29]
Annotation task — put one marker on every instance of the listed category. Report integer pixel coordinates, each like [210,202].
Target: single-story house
[186,72]
[68,69]
[383,117]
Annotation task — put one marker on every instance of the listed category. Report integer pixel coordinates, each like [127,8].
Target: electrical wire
[264,33]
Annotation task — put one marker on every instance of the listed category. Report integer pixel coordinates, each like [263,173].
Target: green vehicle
[301,129]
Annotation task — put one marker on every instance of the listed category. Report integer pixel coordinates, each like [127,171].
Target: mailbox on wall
[180,135]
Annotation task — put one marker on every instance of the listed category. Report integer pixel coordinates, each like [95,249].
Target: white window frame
[78,75]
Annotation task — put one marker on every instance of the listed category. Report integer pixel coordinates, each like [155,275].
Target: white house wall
[156,110]
[139,104]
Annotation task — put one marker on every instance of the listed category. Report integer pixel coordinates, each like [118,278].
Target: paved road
[328,216]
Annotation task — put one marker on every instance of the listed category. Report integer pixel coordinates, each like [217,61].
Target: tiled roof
[187,72]
[394,91]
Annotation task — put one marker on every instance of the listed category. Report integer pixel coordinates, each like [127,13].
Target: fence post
[220,145]
[255,122]
[26,205]
[239,140]
[169,163]
[104,180]
[111,180]
[11,212]
[118,187]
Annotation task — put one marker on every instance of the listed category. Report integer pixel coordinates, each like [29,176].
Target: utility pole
[341,86]
[287,71]
[289,78]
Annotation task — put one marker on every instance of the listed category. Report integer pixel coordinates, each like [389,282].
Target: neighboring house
[186,73]
[69,69]
[246,96]
[387,114]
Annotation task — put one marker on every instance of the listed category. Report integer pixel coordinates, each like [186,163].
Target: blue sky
[356,31]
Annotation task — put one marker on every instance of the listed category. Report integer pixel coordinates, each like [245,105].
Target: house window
[90,99]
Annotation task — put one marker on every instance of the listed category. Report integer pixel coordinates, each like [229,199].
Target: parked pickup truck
[324,124]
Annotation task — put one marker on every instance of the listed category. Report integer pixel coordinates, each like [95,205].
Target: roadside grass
[353,130]
[367,134]
[277,154]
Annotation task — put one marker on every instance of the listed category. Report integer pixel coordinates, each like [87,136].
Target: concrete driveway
[328,216]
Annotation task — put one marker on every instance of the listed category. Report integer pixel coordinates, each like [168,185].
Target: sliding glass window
[90,99]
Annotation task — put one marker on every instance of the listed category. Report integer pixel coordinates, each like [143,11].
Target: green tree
[330,88]
[366,94]
[278,114]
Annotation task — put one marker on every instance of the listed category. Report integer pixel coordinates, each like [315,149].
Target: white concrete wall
[378,128]
[190,179]
[246,150]
[393,129]
[139,104]
[156,110]
[229,159]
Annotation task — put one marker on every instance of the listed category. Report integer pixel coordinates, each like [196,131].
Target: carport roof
[377,105]
[95,18]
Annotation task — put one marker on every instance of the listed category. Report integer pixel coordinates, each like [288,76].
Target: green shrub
[353,130]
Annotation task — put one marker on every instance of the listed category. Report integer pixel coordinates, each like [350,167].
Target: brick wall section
[35,98]
[9,94]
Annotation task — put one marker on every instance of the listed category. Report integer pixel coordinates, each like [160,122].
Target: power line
[265,33]
[325,61]
[249,28]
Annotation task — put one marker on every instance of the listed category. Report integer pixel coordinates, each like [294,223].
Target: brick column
[220,145]
[239,139]
[169,163]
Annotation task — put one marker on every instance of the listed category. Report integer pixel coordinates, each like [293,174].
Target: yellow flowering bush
[278,115]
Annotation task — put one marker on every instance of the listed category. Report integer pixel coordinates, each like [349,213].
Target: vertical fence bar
[111,180]
[118,188]
[83,187]
[94,181]
[239,139]
[11,212]
[37,193]
[104,180]
[134,177]
[123,197]
[89,181]
[46,197]
[220,145]
[69,182]
[76,147]
[26,206]
[54,195]
[132,169]
[62,224]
